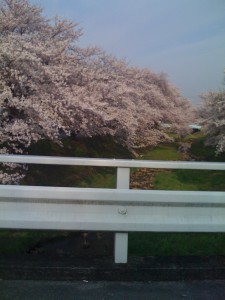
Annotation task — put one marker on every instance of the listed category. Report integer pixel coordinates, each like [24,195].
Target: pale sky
[183,38]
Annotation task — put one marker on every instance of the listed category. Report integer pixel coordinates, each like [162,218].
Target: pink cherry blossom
[50,87]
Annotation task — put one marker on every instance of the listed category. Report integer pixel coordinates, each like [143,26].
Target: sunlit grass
[190,180]
[183,244]
[162,152]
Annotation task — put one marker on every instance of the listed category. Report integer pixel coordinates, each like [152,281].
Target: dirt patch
[143,179]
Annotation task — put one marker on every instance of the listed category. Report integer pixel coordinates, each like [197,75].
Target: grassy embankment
[139,243]
[182,243]
[18,241]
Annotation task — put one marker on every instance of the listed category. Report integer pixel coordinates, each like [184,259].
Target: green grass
[190,180]
[199,180]
[162,152]
[76,176]
[105,178]
[71,176]
[183,244]
[180,244]
[19,241]
[139,243]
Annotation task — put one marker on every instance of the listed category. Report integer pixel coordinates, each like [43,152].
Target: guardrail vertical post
[121,239]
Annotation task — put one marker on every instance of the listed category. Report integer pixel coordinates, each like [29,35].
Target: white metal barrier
[119,210]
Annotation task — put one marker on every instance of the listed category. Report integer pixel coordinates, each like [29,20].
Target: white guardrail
[119,210]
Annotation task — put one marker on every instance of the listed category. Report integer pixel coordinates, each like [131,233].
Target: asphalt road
[57,290]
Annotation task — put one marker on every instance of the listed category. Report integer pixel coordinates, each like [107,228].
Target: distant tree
[50,87]
[212,113]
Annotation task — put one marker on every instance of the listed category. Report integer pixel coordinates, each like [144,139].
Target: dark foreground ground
[65,268]
[69,259]
[49,290]
[59,270]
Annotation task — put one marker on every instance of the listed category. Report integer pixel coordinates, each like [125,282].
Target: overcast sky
[183,38]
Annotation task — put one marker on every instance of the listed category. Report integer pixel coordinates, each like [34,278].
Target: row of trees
[50,88]
[212,113]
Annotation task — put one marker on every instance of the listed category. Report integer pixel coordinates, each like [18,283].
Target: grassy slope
[182,243]
[139,243]
[16,241]
[76,176]
[198,180]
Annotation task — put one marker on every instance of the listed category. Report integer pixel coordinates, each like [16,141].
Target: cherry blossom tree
[135,102]
[50,88]
[212,113]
